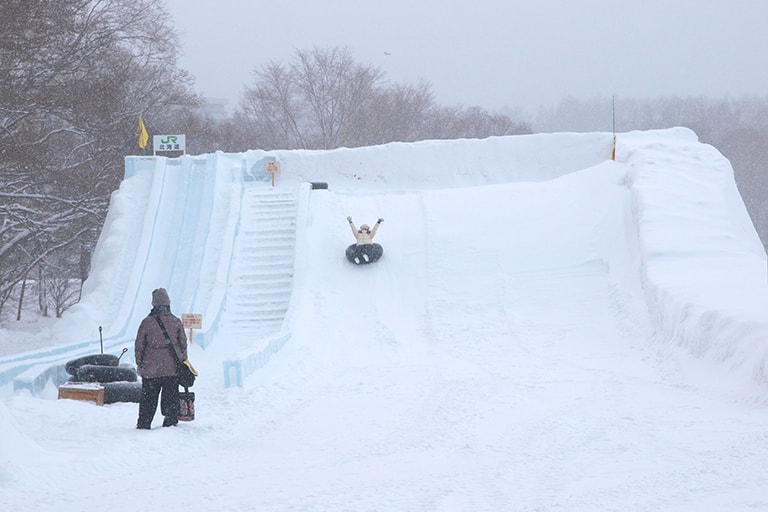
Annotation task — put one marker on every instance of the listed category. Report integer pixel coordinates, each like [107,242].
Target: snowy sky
[547,330]
[490,53]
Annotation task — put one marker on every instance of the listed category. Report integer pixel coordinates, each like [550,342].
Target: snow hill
[681,234]
[548,330]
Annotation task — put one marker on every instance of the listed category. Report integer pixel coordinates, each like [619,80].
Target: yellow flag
[143,135]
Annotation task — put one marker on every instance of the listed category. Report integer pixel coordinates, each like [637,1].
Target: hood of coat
[160,297]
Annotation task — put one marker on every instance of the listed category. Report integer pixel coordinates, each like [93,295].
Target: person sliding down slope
[364,250]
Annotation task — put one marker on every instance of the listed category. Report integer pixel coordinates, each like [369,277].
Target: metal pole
[613,113]
[101,341]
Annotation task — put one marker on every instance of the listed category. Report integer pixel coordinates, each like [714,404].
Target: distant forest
[76,76]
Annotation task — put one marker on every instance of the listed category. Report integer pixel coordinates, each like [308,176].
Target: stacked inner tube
[105,374]
[120,381]
[95,359]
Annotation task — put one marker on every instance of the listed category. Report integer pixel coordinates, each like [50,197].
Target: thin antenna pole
[613,112]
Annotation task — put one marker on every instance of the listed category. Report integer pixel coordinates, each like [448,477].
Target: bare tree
[315,102]
[62,294]
[336,91]
[397,113]
[73,78]
[324,99]
[273,111]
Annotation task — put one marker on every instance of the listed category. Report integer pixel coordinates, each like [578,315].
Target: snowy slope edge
[700,253]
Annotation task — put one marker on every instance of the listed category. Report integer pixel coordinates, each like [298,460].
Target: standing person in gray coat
[155,363]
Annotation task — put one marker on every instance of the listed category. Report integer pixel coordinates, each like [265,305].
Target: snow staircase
[260,282]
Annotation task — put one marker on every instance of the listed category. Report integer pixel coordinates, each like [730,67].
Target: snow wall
[178,218]
[702,263]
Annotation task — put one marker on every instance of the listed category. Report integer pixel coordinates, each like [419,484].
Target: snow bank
[446,163]
[704,267]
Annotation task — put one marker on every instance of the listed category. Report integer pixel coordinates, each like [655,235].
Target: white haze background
[526,53]
[548,330]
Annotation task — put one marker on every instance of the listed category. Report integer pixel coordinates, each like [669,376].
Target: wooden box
[85,391]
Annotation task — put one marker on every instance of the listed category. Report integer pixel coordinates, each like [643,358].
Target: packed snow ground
[548,330]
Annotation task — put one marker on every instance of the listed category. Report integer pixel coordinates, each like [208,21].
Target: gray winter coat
[153,359]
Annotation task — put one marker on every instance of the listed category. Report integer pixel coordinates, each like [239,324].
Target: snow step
[261,275]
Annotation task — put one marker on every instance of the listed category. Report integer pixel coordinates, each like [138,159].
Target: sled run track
[547,330]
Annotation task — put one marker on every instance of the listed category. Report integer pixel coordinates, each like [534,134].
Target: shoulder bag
[184,369]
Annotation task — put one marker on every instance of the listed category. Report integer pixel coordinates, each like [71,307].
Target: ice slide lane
[170,224]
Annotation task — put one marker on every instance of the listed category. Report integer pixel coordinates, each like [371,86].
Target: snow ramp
[175,223]
[554,220]
[653,252]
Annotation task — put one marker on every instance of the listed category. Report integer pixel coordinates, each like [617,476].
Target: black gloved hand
[349,219]
[380,220]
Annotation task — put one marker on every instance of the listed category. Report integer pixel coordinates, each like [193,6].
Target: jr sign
[169,143]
